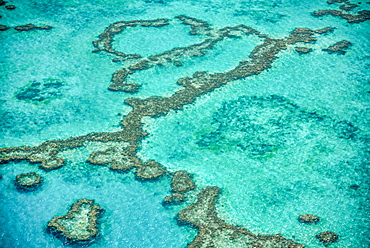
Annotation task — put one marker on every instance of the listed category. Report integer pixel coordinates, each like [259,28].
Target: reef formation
[122,146]
[213,232]
[79,225]
[27,27]
[361,16]
[28,181]
[180,184]
[339,47]
[308,219]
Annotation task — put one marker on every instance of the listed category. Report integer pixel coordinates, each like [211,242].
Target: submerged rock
[308,219]
[79,225]
[28,181]
[327,237]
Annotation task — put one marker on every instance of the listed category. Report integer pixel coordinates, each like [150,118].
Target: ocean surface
[291,140]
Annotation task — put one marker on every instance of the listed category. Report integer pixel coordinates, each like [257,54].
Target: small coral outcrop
[28,181]
[79,225]
[150,171]
[173,199]
[303,50]
[327,237]
[308,219]
[182,182]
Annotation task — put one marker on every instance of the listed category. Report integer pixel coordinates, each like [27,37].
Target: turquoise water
[289,141]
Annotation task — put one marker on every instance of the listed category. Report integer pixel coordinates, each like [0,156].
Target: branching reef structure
[121,154]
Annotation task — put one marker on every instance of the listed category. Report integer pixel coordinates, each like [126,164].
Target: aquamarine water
[289,141]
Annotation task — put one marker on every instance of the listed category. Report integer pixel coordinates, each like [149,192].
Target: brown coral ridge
[338,48]
[29,27]
[361,16]
[197,26]
[46,153]
[79,225]
[28,181]
[104,43]
[171,57]
[214,232]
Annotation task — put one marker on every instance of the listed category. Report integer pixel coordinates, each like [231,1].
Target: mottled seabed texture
[164,123]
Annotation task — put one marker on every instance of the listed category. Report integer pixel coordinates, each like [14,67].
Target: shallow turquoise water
[273,161]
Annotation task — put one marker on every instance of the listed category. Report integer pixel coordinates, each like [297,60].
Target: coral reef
[28,181]
[79,225]
[324,30]
[121,147]
[308,219]
[149,171]
[182,182]
[29,27]
[338,48]
[213,232]
[348,7]
[173,199]
[20,28]
[200,83]
[361,16]
[303,50]
[327,237]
